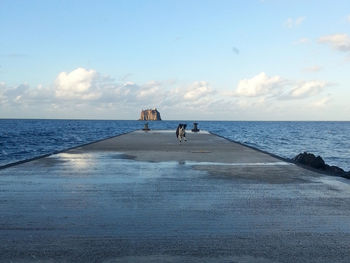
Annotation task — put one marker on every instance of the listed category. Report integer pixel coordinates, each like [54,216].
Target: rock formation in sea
[150,115]
[316,162]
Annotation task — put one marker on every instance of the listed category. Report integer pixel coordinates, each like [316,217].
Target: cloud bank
[259,85]
[265,86]
[340,42]
[307,89]
[86,92]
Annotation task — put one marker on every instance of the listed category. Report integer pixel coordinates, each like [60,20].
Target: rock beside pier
[150,115]
[316,162]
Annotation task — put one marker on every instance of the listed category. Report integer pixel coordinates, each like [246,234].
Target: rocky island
[150,115]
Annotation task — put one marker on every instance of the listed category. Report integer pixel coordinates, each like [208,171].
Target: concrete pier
[145,197]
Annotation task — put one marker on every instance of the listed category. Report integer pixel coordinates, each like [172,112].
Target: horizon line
[195,120]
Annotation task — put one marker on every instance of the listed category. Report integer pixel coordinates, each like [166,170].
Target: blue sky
[215,60]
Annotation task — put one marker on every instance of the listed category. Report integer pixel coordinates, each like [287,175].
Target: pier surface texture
[145,197]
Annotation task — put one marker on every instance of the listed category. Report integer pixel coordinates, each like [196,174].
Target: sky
[190,59]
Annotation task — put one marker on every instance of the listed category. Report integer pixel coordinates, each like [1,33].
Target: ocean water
[24,139]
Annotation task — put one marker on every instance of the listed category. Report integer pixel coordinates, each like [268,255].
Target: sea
[22,139]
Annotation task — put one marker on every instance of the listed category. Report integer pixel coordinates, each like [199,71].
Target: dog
[181,132]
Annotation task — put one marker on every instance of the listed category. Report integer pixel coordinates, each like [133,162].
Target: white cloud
[146,92]
[149,89]
[314,68]
[307,89]
[24,95]
[18,99]
[88,86]
[321,102]
[275,95]
[2,93]
[294,22]
[85,93]
[198,90]
[149,94]
[259,85]
[263,87]
[340,42]
[78,84]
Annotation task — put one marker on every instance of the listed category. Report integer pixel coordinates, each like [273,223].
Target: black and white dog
[181,132]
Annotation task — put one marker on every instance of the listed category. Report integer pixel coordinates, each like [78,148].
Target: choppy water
[23,139]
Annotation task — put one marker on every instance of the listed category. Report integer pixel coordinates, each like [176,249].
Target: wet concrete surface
[206,200]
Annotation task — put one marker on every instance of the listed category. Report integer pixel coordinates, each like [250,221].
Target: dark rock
[311,160]
[347,175]
[334,169]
